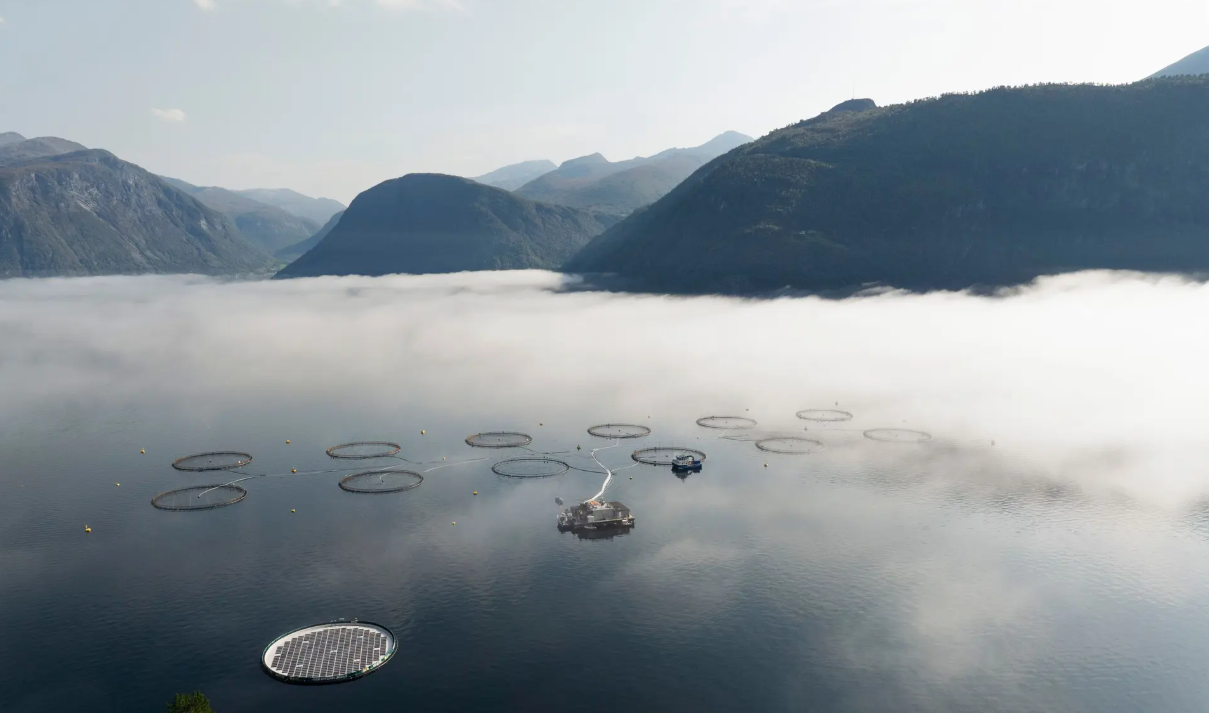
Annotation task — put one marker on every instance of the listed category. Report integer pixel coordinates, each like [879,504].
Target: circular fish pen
[215,460]
[726,422]
[329,653]
[389,480]
[361,450]
[826,415]
[663,455]
[790,445]
[897,435]
[619,430]
[531,467]
[199,497]
[499,439]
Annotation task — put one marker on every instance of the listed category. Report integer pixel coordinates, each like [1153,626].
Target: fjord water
[1048,550]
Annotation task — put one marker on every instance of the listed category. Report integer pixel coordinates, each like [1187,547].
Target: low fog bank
[1093,378]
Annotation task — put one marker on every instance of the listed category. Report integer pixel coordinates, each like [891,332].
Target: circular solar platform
[329,653]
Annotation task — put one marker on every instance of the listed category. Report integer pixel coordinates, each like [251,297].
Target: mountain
[425,222]
[292,252]
[267,227]
[319,210]
[16,148]
[1195,63]
[614,190]
[993,188]
[10,137]
[516,175]
[90,213]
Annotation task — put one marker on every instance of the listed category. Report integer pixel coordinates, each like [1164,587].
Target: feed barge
[595,515]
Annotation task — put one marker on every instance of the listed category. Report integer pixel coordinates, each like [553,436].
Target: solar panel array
[334,652]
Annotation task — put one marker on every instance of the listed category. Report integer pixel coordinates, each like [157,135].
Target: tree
[194,702]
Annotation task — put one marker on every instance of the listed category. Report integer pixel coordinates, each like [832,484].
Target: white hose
[608,471]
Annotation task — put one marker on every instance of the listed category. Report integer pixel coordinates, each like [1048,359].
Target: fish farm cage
[499,439]
[382,480]
[790,445]
[361,450]
[897,435]
[530,467]
[619,430]
[826,415]
[726,422]
[664,455]
[335,652]
[215,460]
[199,497]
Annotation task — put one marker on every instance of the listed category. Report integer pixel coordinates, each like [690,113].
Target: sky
[330,97]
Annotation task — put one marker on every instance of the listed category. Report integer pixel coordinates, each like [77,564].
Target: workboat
[685,462]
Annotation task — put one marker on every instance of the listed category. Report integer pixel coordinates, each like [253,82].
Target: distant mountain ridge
[613,190]
[993,188]
[267,227]
[1193,64]
[516,175]
[319,210]
[90,213]
[16,148]
[431,223]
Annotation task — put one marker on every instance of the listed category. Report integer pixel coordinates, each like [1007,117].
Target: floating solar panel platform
[329,653]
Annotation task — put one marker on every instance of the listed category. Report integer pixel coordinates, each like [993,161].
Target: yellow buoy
[476,492]
[442,457]
[631,477]
[293,510]
[87,528]
[765,465]
[293,470]
[421,432]
[143,451]
[118,484]
[453,523]
[577,448]
[287,440]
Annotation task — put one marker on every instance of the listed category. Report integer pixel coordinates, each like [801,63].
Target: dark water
[1064,568]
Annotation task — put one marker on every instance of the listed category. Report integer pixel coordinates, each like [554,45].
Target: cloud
[206,4]
[170,115]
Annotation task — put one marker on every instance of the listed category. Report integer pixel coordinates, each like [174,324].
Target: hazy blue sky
[332,96]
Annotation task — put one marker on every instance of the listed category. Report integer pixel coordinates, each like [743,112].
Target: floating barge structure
[595,515]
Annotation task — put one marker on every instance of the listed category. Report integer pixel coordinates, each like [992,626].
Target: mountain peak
[1195,63]
[10,137]
[854,105]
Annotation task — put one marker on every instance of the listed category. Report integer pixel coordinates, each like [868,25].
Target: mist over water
[1046,550]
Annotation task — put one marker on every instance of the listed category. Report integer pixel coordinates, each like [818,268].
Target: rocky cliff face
[90,213]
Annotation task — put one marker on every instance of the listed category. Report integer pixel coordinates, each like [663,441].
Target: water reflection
[1046,549]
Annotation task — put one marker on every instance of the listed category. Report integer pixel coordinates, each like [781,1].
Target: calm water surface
[1047,550]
